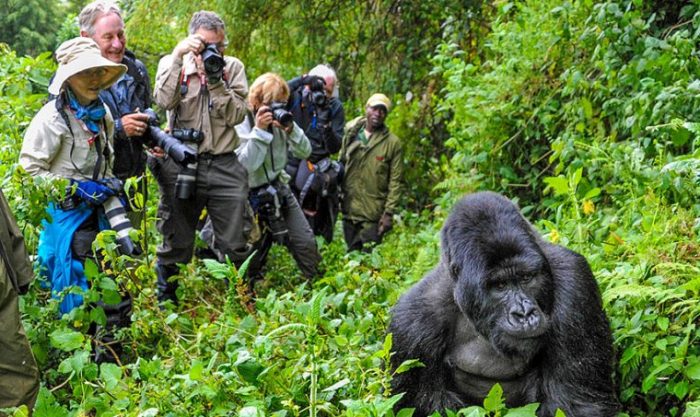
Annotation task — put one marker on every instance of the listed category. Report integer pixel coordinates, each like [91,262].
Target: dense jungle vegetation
[587,113]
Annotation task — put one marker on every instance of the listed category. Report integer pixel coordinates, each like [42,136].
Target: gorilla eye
[500,285]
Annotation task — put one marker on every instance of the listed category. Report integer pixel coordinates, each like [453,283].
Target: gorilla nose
[524,313]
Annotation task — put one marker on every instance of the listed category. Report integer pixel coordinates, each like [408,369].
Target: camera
[172,144]
[268,203]
[116,216]
[317,88]
[280,113]
[182,146]
[213,61]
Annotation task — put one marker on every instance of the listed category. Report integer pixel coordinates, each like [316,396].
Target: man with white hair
[316,108]
[102,22]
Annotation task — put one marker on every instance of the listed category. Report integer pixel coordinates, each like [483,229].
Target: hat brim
[64,72]
[377,104]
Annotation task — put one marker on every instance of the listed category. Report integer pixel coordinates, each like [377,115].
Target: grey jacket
[264,154]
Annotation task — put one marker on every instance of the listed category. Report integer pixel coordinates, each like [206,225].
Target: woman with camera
[267,134]
[70,138]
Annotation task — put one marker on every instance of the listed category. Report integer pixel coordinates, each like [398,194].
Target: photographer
[202,90]
[102,22]
[71,138]
[266,138]
[317,110]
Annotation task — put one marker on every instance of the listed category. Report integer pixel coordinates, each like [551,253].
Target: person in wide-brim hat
[82,54]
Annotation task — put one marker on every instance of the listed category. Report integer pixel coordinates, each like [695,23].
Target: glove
[385,223]
[93,192]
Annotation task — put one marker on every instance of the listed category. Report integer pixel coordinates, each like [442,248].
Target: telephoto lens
[116,216]
[180,152]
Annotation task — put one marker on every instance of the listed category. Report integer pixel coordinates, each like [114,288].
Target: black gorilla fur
[505,306]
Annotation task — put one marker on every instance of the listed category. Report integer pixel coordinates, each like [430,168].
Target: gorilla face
[503,281]
[512,315]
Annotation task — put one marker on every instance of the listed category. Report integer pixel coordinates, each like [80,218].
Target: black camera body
[317,91]
[214,63]
[268,203]
[280,113]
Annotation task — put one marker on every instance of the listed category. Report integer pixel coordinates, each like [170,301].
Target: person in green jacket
[19,374]
[373,160]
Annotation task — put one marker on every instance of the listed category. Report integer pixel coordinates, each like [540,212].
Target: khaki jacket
[214,110]
[50,150]
[13,253]
[373,173]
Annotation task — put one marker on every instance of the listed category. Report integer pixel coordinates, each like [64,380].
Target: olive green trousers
[19,374]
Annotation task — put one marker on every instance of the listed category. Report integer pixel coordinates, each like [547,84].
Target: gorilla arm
[579,356]
[422,323]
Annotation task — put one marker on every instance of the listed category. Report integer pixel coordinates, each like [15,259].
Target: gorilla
[503,306]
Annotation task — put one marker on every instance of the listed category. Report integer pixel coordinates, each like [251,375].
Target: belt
[210,156]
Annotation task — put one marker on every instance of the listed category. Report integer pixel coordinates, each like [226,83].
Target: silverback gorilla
[503,306]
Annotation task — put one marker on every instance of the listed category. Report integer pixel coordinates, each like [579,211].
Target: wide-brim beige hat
[80,54]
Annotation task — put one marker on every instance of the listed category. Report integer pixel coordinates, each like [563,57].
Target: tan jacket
[49,150]
[373,173]
[13,254]
[215,110]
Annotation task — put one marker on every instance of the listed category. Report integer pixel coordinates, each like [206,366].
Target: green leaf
[559,185]
[343,382]
[75,363]
[559,413]
[91,270]
[494,400]
[249,370]
[111,374]
[196,370]
[98,316]
[526,411]
[47,406]
[693,371]
[408,365]
[592,193]
[66,339]
[587,108]
[663,322]
[680,390]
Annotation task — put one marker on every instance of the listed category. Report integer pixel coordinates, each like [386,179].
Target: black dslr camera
[317,88]
[172,144]
[268,203]
[213,61]
[181,145]
[280,113]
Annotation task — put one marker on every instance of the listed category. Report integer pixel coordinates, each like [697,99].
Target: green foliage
[28,26]
[587,113]
[584,112]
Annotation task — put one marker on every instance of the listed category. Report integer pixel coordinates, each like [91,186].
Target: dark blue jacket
[129,156]
[326,136]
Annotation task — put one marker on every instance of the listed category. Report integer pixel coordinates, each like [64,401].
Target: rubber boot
[167,287]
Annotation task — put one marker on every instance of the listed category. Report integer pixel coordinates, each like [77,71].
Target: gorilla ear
[448,255]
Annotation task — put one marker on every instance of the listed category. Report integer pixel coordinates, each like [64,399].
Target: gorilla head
[503,306]
[503,280]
